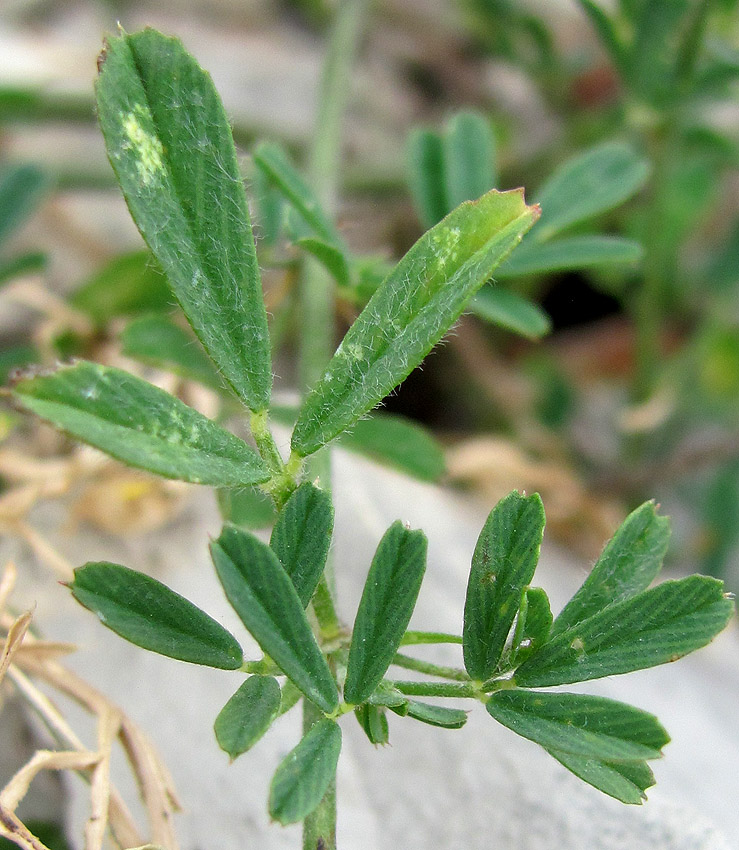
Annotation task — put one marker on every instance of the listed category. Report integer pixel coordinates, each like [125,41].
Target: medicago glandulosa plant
[170,145]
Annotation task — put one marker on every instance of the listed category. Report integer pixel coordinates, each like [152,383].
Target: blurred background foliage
[602,365]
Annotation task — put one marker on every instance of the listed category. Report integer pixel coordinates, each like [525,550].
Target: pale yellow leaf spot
[148,148]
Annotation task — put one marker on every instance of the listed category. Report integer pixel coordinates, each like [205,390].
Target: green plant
[170,145]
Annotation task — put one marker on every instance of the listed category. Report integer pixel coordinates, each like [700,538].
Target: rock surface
[478,787]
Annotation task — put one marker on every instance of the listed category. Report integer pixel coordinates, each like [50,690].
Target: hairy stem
[316,297]
[409,663]
[319,828]
[436,689]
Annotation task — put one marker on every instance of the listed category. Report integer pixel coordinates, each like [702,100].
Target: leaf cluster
[170,145]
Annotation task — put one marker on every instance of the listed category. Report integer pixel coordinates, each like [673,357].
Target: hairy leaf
[503,564]
[170,145]
[654,627]
[139,424]
[247,715]
[265,599]
[410,312]
[305,774]
[580,724]
[385,609]
[301,537]
[149,614]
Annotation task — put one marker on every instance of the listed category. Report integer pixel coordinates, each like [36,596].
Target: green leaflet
[265,599]
[247,715]
[626,781]
[437,715]
[426,176]
[580,725]
[304,775]
[656,626]
[532,625]
[301,537]
[170,144]
[570,252]
[397,442]
[388,600]
[588,184]
[159,341]
[139,424]
[503,564]
[410,312]
[469,158]
[510,311]
[628,564]
[128,285]
[149,614]
[373,721]
[332,257]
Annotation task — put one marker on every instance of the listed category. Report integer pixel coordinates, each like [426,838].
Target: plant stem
[319,828]
[429,668]
[316,303]
[415,638]
[657,266]
[436,689]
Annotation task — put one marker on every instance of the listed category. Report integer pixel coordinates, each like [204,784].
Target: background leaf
[588,184]
[265,599]
[579,724]
[246,507]
[170,145]
[503,564]
[398,442]
[426,176]
[139,424]
[157,340]
[247,715]
[628,564]
[22,187]
[570,252]
[305,774]
[659,625]
[301,537]
[388,600]
[149,614]
[410,312]
[510,311]
[272,160]
[128,285]
[469,158]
